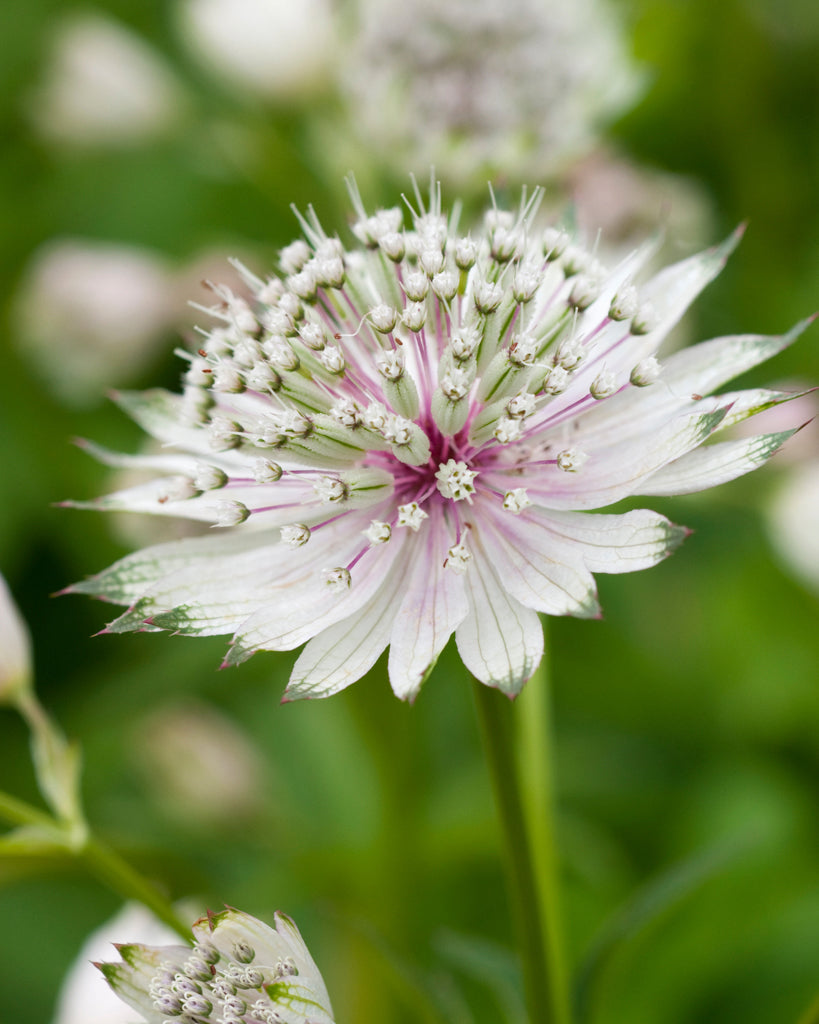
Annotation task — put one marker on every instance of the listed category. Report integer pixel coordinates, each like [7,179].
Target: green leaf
[489,964]
[34,841]
[647,905]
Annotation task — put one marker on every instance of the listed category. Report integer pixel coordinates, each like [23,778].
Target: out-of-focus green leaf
[492,965]
[647,905]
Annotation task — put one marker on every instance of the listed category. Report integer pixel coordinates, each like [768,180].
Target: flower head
[477,84]
[403,439]
[240,971]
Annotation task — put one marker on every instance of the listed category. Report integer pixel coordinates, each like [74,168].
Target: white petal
[434,604]
[128,579]
[674,288]
[714,464]
[537,566]
[697,370]
[612,543]
[308,606]
[617,470]
[342,653]
[500,641]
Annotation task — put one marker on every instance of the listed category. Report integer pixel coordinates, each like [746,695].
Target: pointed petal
[128,579]
[714,464]
[674,288]
[614,543]
[536,565]
[500,641]
[342,653]
[434,604]
[300,612]
[616,470]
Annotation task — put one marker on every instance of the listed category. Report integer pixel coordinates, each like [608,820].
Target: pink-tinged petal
[714,464]
[433,606]
[611,543]
[537,566]
[685,375]
[343,652]
[616,470]
[500,641]
[299,613]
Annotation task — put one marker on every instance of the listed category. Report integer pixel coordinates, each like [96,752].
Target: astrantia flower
[481,84]
[240,971]
[403,439]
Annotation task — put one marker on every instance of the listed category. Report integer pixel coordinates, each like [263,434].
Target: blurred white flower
[793,522]
[15,648]
[85,998]
[103,85]
[271,48]
[476,86]
[199,764]
[240,971]
[92,314]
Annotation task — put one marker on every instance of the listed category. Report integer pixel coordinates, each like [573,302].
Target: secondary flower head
[402,439]
[481,84]
[240,971]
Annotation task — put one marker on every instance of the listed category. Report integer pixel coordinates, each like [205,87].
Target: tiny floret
[571,459]
[295,534]
[516,500]
[646,372]
[458,558]
[378,532]
[231,513]
[411,515]
[330,489]
[338,578]
[456,480]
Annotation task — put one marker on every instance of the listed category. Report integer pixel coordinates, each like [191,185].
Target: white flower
[793,522]
[274,48]
[483,84]
[84,997]
[15,648]
[103,86]
[239,970]
[482,519]
[90,314]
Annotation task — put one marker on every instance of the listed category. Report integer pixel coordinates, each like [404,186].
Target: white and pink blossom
[488,392]
[239,971]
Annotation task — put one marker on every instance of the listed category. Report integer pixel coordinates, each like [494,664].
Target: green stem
[108,867]
[118,875]
[521,782]
[533,723]
[17,812]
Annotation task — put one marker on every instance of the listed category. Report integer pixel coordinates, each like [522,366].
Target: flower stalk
[517,746]
[41,830]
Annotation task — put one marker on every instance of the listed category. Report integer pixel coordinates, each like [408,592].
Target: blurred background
[143,143]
